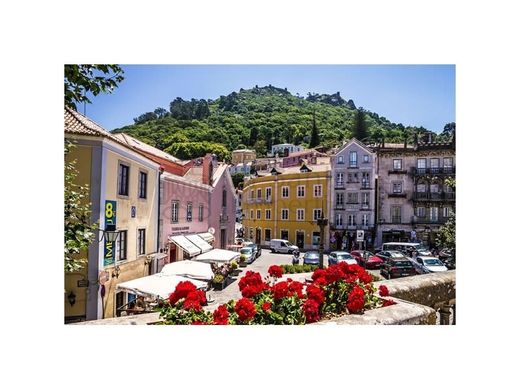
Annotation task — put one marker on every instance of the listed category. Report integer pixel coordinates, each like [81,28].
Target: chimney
[207,169]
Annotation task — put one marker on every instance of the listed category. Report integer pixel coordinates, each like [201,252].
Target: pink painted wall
[177,190]
[216,209]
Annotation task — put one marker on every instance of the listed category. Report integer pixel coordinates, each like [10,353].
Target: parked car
[388,255]
[397,267]
[406,248]
[282,246]
[256,248]
[370,262]
[341,257]
[424,265]
[249,253]
[312,257]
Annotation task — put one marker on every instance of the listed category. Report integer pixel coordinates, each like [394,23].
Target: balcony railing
[339,184]
[397,171]
[365,206]
[397,195]
[434,196]
[339,206]
[429,220]
[434,171]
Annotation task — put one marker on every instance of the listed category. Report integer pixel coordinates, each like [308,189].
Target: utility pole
[322,223]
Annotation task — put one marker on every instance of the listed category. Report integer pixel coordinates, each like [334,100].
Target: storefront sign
[110,219]
[180,228]
[360,235]
[83,283]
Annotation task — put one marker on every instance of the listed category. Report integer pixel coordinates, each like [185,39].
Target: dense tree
[79,232]
[315,136]
[81,80]
[238,179]
[160,112]
[360,128]
[191,150]
[148,116]
[446,234]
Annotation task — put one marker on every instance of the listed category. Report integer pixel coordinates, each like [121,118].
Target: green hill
[257,118]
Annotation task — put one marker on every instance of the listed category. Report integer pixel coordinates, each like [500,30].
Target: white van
[282,246]
[406,247]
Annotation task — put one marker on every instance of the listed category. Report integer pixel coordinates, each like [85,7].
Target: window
[285,192]
[365,199]
[421,187]
[251,214]
[124,171]
[420,212]
[366,158]
[121,245]
[189,212]
[352,197]
[340,159]
[300,214]
[267,234]
[339,199]
[434,188]
[316,214]
[352,161]
[201,212]
[434,163]
[339,179]
[317,191]
[143,178]
[365,219]
[448,162]
[258,214]
[301,191]
[395,213]
[398,164]
[268,214]
[397,187]
[251,233]
[224,197]
[434,214]
[421,163]
[285,214]
[365,180]
[339,220]
[268,193]
[259,193]
[315,238]
[251,194]
[175,211]
[351,219]
[141,241]
[284,234]
[352,178]
[446,212]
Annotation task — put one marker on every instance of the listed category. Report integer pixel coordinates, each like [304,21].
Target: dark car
[389,255]
[312,257]
[338,257]
[397,268]
[367,259]
[256,248]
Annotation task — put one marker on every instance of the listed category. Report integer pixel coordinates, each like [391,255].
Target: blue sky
[415,95]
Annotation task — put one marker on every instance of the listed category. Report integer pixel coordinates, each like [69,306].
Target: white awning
[218,256]
[189,269]
[200,242]
[207,236]
[157,285]
[186,245]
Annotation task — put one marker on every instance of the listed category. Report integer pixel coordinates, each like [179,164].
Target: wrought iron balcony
[433,196]
[397,171]
[339,206]
[428,220]
[433,171]
[339,185]
[397,195]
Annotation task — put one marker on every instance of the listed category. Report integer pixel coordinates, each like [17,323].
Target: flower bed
[338,290]
[298,268]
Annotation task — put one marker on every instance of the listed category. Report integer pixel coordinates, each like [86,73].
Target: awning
[200,242]
[207,236]
[218,256]
[186,245]
[189,269]
[157,255]
[157,285]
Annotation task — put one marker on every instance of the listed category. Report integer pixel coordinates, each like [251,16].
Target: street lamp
[322,222]
[110,234]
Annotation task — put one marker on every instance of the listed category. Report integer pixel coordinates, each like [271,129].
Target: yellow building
[286,203]
[123,193]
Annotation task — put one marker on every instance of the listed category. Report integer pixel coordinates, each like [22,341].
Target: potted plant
[243,262]
[218,282]
[234,268]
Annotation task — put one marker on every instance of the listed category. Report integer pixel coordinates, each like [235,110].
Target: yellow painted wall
[146,218]
[292,203]
[83,156]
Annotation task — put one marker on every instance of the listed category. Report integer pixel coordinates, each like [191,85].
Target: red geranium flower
[365,277]
[198,322]
[251,284]
[275,271]
[245,309]
[311,310]
[280,290]
[181,291]
[356,300]
[317,274]
[388,302]
[383,290]
[333,274]
[266,306]
[315,293]
[191,304]
[295,288]
[221,315]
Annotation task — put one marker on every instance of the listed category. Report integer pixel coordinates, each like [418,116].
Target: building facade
[286,204]
[295,159]
[353,196]
[123,191]
[242,156]
[284,149]
[415,198]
